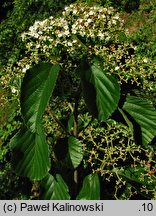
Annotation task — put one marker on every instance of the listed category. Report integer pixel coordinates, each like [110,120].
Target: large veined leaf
[75,151]
[36,90]
[54,188]
[101,91]
[90,189]
[144,114]
[30,153]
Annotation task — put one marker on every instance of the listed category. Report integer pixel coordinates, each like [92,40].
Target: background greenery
[18,15]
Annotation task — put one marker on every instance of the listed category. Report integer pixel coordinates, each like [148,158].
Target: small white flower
[74,41]
[25,68]
[82,33]
[145,60]
[51,17]
[31,28]
[135,48]
[37,23]
[92,35]
[114,22]
[74,31]
[23,35]
[86,16]
[103,16]
[80,20]
[50,39]
[107,38]
[117,17]
[38,46]
[74,11]
[66,27]
[73,26]
[13,90]
[60,35]
[117,68]
[70,44]
[91,13]
[34,34]
[89,20]
[101,35]
[109,11]
[66,33]
[66,8]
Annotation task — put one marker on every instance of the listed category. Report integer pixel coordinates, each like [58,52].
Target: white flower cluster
[74,33]
[80,32]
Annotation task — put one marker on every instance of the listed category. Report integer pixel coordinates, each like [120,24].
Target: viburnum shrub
[96,125]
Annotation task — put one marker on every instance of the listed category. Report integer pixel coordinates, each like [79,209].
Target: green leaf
[54,188]
[90,189]
[100,90]
[75,151]
[36,90]
[30,156]
[144,114]
[70,122]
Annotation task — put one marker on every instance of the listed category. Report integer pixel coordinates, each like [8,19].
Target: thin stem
[75,131]
[75,112]
[59,122]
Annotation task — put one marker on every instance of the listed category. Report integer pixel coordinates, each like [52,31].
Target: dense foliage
[95,137]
